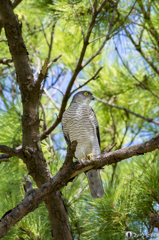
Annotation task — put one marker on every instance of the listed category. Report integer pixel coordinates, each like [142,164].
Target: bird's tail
[95,183]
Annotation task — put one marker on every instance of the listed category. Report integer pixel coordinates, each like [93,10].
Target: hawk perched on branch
[79,123]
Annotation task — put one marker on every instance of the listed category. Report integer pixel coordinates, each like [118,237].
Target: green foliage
[129,79]
[11,129]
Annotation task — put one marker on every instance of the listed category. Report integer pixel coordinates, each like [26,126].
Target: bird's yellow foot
[88,156]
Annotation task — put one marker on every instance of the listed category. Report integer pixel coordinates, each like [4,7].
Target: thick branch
[15,3]
[7,155]
[6,61]
[69,170]
[11,151]
[30,92]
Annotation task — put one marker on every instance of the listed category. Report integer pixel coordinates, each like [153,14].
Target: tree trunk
[30,92]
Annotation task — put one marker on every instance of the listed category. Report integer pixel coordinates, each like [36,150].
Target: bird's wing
[64,129]
[66,136]
[93,176]
[95,121]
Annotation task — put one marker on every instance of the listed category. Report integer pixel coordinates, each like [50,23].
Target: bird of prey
[79,123]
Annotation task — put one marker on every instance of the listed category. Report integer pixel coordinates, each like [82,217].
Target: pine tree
[114,54]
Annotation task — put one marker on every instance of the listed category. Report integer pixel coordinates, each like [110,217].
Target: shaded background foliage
[129,79]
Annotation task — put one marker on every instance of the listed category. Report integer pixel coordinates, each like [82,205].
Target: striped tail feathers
[95,183]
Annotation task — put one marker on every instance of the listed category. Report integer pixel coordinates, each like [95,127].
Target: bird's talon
[90,156]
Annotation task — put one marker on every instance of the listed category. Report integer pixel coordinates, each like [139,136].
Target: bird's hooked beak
[92,98]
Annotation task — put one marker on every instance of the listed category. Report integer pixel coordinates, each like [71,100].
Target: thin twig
[51,40]
[78,68]
[138,48]
[45,66]
[52,146]
[27,232]
[92,78]
[44,32]
[107,37]
[51,99]
[91,7]
[124,135]
[55,60]
[44,69]
[82,30]
[154,94]
[56,89]
[4,160]
[44,118]
[133,138]
[127,110]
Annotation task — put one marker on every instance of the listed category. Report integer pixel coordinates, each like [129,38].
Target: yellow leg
[88,156]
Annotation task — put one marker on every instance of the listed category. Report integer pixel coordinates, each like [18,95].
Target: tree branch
[51,99]
[92,78]
[69,170]
[138,48]
[43,72]
[117,27]
[107,37]
[27,232]
[82,30]
[78,68]
[154,94]
[4,157]
[6,61]
[127,110]
[30,95]
[146,16]
[15,3]
[11,151]
[51,39]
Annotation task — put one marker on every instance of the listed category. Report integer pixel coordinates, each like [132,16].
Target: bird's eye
[86,93]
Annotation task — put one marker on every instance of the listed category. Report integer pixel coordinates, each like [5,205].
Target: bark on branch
[30,93]
[69,170]
[6,61]
[11,151]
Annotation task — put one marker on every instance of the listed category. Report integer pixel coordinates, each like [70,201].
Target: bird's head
[83,97]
